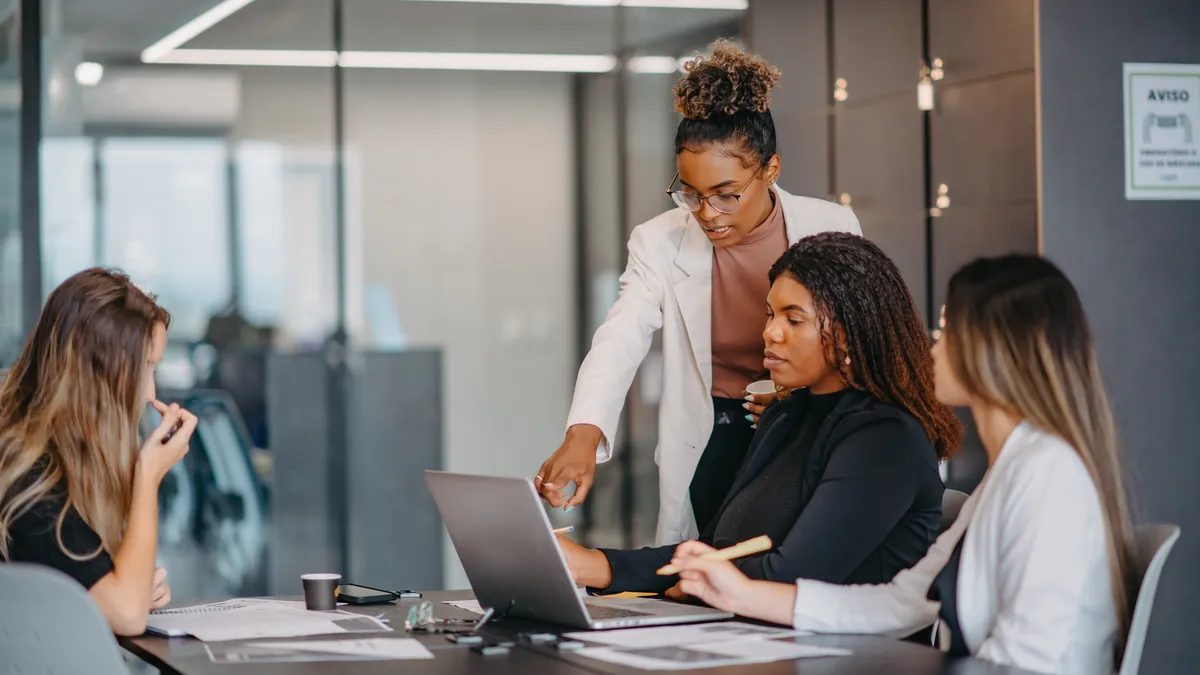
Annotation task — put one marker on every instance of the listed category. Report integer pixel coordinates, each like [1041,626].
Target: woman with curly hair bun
[842,474]
[698,273]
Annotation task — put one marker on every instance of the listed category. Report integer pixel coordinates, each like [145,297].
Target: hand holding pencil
[707,573]
[748,547]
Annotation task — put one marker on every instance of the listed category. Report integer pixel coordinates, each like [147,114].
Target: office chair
[49,624]
[952,501]
[1154,544]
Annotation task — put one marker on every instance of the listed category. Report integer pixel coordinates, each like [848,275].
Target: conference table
[871,654]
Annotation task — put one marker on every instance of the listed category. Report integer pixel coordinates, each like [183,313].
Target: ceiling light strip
[251,57]
[191,29]
[160,51]
[662,4]
[559,63]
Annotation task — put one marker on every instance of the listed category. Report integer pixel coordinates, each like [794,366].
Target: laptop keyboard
[603,612]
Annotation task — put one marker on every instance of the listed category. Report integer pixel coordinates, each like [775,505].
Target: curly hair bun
[726,82]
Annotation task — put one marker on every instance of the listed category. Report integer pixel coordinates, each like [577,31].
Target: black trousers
[721,459]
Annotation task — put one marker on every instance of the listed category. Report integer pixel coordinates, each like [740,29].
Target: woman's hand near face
[135,586]
[156,457]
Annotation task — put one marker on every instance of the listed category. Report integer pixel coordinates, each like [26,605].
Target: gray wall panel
[1135,263]
[305,534]
[792,35]
[395,435]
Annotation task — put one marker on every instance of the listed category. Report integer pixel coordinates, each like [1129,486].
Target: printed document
[729,653]
[674,636]
[362,649]
[256,618]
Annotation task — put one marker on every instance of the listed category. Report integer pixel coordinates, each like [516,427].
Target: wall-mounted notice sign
[1162,131]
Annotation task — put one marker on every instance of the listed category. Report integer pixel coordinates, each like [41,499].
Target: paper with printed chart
[726,653]
[674,636]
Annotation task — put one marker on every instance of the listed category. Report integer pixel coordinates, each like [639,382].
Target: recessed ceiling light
[89,74]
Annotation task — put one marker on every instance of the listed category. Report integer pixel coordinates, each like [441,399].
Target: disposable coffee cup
[761,388]
[320,591]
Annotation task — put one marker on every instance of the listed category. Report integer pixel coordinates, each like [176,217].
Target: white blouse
[1033,583]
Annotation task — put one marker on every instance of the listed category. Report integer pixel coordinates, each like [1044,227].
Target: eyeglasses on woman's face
[726,202]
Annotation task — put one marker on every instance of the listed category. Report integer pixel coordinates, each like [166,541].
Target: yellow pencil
[748,547]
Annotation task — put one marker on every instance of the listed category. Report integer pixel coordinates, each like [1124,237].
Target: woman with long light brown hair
[76,492]
[1035,571]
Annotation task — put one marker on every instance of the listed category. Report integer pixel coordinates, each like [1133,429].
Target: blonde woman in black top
[76,492]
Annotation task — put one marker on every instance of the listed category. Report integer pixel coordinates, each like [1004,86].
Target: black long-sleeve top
[846,486]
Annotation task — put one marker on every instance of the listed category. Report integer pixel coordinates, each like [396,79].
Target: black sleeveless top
[945,591]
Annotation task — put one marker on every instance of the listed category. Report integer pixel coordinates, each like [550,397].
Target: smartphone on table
[354,594]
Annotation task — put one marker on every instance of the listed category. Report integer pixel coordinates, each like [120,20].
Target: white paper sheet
[727,653]
[469,605]
[369,649]
[256,618]
[382,648]
[674,636]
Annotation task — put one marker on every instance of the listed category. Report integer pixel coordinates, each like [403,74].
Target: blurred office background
[372,270]
[394,259]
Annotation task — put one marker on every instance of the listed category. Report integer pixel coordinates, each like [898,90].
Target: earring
[847,360]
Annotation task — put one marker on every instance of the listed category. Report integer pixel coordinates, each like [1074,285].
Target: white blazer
[1033,581]
[667,284]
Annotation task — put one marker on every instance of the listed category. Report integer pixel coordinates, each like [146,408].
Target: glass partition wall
[385,229]
[12,314]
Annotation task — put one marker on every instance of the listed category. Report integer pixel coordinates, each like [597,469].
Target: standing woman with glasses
[698,273]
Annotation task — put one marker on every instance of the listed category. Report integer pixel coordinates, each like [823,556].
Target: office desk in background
[872,655]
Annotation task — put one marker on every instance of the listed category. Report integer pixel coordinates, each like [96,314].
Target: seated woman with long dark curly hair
[842,475]
[1038,570]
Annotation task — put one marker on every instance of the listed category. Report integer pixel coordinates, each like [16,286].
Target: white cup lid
[320,577]
[761,387]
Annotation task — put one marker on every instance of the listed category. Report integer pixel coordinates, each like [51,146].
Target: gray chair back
[1154,544]
[49,624]
[952,501]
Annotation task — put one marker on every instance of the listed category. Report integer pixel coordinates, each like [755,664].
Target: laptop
[508,550]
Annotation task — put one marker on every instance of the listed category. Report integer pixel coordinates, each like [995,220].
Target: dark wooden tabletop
[873,655]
